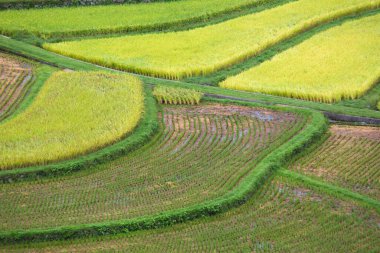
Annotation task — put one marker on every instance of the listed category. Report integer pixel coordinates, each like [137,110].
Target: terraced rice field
[91,20]
[315,69]
[348,158]
[283,216]
[105,161]
[15,79]
[73,114]
[205,50]
[170,172]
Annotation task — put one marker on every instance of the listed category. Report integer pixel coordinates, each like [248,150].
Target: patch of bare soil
[372,133]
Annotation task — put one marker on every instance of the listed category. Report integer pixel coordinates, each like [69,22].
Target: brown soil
[357,131]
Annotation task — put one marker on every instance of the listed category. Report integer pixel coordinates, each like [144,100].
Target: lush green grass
[349,158]
[77,21]
[168,173]
[15,80]
[205,50]
[168,95]
[73,114]
[315,69]
[283,216]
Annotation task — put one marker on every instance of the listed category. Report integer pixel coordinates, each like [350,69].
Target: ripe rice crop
[168,95]
[283,216]
[349,158]
[320,68]
[76,21]
[170,172]
[73,114]
[205,50]
[15,77]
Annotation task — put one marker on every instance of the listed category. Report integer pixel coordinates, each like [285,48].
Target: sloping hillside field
[190,126]
[283,216]
[62,22]
[168,173]
[204,50]
[321,68]
[15,78]
[75,113]
[349,158]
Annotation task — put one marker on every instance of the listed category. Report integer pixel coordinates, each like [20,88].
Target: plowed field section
[14,82]
[282,217]
[201,153]
[349,158]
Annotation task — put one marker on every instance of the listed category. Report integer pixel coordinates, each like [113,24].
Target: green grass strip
[39,54]
[24,4]
[249,184]
[330,189]
[145,129]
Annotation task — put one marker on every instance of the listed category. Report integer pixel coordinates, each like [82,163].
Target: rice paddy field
[73,114]
[283,216]
[15,79]
[213,47]
[190,126]
[77,21]
[168,173]
[349,157]
[320,68]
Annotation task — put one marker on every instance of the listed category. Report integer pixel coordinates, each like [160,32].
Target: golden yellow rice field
[204,50]
[340,63]
[74,113]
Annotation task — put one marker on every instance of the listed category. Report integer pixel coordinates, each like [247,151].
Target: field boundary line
[313,129]
[330,188]
[333,117]
[146,128]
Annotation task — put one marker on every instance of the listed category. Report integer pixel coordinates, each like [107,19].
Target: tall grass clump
[322,68]
[205,50]
[177,96]
[73,114]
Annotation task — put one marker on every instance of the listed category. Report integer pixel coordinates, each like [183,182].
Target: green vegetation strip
[205,50]
[80,21]
[20,4]
[331,189]
[144,130]
[240,194]
[284,215]
[44,56]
